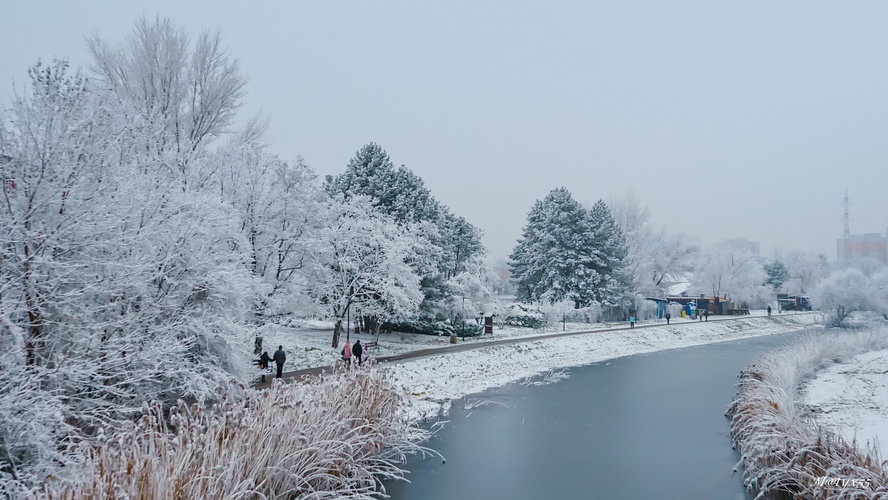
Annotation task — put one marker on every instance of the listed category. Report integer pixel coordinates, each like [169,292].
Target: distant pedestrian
[706,313]
[632,321]
[358,351]
[263,363]
[769,310]
[347,353]
[667,318]
[279,359]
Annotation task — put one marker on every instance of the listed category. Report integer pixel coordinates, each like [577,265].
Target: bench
[370,345]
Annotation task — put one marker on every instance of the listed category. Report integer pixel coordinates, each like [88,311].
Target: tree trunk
[336,331]
[35,333]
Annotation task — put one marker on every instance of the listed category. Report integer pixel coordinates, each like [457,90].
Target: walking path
[419,353]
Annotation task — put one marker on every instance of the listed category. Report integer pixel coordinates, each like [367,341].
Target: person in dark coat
[769,310]
[263,363]
[667,318]
[279,359]
[357,351]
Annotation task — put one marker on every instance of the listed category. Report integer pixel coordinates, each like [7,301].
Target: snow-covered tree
[848,290]
[366,262]
[734,274]
[175,97]
[471,294]
[402,195]
[569,253]
[117,285]
[281,207]
[652,254]
[805,271]
[612,281]
[777,273]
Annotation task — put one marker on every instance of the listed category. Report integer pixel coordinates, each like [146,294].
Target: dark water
[649,426]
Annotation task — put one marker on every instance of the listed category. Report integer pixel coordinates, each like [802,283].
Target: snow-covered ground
[851,398]
[432,382]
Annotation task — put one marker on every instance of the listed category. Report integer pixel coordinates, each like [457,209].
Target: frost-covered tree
[734,274]
[402,195]
[175,96]
[569,253]
[281,211]
[652,254]
[117,285]
[471,292]
[365,261]
[848,290]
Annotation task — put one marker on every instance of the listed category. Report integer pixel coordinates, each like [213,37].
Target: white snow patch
[851,398]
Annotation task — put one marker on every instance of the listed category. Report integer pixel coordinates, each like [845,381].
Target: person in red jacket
[347,353]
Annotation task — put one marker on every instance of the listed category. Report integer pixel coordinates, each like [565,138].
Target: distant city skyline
[726,120]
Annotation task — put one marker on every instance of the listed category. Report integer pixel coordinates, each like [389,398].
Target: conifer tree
[610,245]
[569,253]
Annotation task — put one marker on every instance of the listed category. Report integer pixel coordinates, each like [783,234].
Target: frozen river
[639,427]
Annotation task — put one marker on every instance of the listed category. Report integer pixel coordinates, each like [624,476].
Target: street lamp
[351,293]
[462,327]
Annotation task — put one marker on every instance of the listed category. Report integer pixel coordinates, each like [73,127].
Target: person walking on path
[706,313]
[769,310]
[264,361]
[667,318]
[347,353]
[279,359]
[632,321]
[358,351]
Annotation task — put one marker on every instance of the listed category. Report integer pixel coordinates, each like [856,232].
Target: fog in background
[727,120]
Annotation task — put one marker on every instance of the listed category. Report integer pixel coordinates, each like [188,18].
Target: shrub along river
[648,426]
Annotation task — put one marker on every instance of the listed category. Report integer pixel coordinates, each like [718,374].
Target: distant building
[741,244]
[863,246]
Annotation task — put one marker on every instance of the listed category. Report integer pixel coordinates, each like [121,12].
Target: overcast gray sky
[740,119]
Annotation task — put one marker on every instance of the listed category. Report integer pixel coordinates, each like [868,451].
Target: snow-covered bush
[781,449]
[523,315]
[564,311]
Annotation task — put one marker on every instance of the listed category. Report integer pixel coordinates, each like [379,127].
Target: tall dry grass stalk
[332,436]
[783,452]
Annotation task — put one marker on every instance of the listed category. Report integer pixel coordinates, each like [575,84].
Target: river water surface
[648,426]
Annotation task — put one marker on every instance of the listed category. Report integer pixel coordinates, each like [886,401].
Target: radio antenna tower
[847,223]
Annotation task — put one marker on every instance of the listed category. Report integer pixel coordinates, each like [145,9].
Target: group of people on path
[279,359]
[348,352]
[353,351]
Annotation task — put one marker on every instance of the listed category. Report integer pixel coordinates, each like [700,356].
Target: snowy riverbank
[799,408]
[432,382]
[851,399]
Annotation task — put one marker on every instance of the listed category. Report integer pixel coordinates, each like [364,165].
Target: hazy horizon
[726,120]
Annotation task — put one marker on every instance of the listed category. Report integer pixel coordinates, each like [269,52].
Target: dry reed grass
[784,453]
[337,435]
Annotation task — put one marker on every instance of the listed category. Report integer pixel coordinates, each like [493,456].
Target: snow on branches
[569,253]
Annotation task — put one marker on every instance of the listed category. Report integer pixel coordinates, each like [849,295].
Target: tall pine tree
[569,253]
[611,248]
